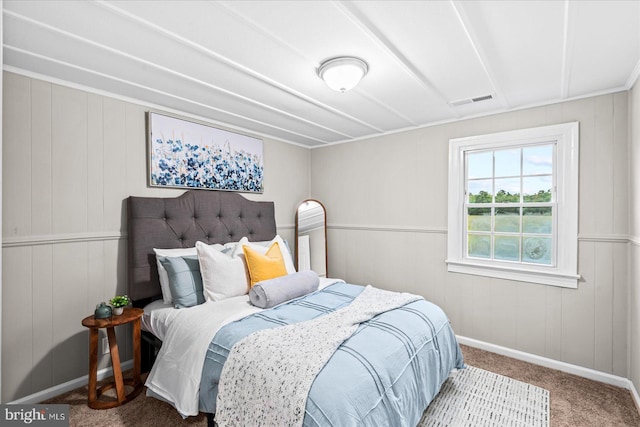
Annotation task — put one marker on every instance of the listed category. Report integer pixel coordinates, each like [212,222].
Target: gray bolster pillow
[269,293]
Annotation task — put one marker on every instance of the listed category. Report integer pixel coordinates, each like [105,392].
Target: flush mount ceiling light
[343,73]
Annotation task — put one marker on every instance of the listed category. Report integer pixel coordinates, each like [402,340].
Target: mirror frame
[326,257]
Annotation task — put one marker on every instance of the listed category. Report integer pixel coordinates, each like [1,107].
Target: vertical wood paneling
[17,322]
[621,282]
[428,262]
[634,230]
[578,320]
[336,241]
[115,161]
[96,288]
[583,111]
[42,273]
[70,284]
[530,319]
[603,170]
[604,280]
[503,312]
[621,163]
[453,306]
[16,156]
[69,160]
[95,164]
[481,314]
[634,315]
[41,197]
[553,322]
[135,125]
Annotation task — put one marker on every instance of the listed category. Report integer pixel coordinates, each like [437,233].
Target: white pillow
[223,276]
[262,248]
[167,298]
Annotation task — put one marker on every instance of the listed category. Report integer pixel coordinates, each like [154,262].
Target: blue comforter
[386,373]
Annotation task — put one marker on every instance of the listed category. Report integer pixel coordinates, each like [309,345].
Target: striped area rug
[475,397]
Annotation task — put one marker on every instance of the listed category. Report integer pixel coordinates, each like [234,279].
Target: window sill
[518,274]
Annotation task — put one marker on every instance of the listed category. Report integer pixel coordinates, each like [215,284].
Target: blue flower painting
[188,154]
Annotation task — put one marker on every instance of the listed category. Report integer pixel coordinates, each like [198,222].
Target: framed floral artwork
[186,154]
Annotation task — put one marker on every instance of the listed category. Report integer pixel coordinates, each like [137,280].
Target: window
[513,205]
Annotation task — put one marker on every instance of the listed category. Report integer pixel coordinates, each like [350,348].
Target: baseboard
[635,395]
[68,386]
[580,371]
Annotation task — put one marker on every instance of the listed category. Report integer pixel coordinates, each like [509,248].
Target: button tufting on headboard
[212,216]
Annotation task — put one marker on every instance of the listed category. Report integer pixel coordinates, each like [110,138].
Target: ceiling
[251,65]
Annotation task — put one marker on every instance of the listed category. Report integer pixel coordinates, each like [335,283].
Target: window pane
[480,165]
[508,190]
[536,249]
[507,162]
[507,220]
[537,220]
[537,160]
[507,248]
[479,219]
[479,246]
[480,191]
[536,189]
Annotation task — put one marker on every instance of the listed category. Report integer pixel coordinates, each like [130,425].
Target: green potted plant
[119,302]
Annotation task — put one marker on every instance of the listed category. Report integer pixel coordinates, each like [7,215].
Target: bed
[385,370]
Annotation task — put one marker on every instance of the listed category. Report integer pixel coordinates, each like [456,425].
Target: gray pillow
[269,293]
[185,280]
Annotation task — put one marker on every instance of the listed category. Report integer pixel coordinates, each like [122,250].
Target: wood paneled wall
[386,202]
[634,231]
[70,159]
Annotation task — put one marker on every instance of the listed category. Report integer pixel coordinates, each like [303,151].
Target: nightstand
[130,315]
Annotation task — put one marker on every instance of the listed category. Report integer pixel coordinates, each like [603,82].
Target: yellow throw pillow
[264,267]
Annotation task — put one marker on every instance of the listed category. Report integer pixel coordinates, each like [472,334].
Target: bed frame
[179,222]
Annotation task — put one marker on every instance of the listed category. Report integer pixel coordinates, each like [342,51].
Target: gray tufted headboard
[178,222]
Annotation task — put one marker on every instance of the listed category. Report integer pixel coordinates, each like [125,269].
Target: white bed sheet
[157,317]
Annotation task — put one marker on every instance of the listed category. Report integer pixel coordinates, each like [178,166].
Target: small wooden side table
[130,315]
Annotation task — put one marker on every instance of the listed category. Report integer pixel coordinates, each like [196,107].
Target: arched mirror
[311,237]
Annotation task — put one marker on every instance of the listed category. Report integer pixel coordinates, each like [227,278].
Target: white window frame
[564,272]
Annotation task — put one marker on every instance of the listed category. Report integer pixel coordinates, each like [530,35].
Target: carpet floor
[575,401]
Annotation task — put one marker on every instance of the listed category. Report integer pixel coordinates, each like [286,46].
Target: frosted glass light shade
[344,73]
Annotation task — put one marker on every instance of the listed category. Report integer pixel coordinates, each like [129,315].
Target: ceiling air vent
[470,100]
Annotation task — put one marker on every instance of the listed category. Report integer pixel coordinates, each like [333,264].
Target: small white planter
[117,311]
